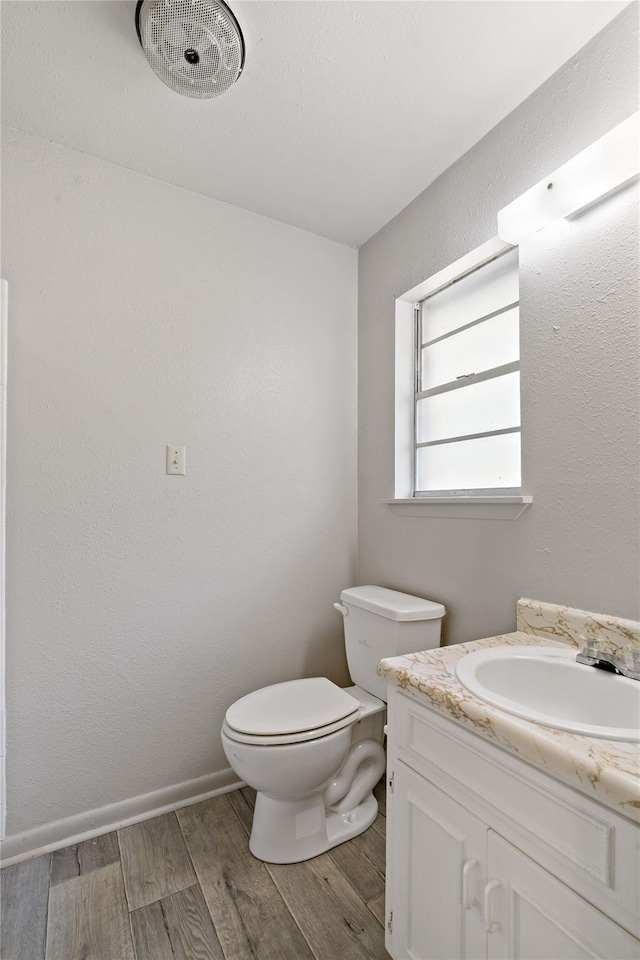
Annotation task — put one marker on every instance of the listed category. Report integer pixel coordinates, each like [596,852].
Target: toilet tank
[384,623]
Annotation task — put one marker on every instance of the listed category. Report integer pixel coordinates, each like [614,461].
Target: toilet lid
[291,707]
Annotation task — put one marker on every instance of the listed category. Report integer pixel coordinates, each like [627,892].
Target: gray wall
[578,543]
[139,605]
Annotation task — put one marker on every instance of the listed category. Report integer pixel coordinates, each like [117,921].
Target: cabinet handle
[466,903]
[490,925]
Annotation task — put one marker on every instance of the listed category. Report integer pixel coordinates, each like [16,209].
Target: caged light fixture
[603,168]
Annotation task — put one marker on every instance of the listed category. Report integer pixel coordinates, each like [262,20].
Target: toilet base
[286,831]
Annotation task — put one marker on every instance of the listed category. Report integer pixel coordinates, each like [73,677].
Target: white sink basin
[546,685]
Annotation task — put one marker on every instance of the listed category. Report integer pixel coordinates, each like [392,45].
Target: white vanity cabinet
[489,857]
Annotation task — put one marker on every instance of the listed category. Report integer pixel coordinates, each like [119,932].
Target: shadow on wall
[323,647]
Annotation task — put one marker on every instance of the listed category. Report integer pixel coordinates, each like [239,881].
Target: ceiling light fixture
[608,165]
[196,47]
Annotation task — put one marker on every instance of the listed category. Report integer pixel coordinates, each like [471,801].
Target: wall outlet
[176,461]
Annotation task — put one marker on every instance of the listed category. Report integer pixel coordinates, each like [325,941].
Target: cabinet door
[532,916]
[436,855]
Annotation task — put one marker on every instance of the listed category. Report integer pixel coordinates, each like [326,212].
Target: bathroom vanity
[506,838]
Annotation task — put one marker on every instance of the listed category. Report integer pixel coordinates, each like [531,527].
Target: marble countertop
[606,770]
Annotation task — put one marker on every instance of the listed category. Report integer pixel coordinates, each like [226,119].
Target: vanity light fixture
[608,165]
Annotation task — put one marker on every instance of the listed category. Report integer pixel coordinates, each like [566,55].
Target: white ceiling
[344,113]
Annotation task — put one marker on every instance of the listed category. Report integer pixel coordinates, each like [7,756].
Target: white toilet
[312,750]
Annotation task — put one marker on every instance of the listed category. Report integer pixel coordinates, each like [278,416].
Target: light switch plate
[176,461]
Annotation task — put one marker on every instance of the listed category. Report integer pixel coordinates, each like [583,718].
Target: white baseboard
[93,823]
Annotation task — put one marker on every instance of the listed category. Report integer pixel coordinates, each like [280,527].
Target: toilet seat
[291,712]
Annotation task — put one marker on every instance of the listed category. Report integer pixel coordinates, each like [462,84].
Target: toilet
[312,750]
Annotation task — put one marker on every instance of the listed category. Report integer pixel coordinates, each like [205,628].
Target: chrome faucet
[593,652]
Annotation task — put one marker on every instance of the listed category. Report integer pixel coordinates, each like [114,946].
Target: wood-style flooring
[184,886]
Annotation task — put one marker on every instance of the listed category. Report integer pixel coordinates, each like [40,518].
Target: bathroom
[169,286]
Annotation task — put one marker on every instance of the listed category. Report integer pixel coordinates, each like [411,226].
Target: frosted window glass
[481,292]
[489,405]
[487,345]
[487,463]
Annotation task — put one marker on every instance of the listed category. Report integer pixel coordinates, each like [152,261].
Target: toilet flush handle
[340,607]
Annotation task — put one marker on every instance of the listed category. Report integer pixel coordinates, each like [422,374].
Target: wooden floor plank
[380,793]
[333,918]
[155,861]
[250,796]
[191,931]
[98,852]
[83,857]
[176,928]
[249,915]
[378,909]
[380,825]
[359,860]
[150,935]
[373,845]
[64,864]
[243,803]
[88,918]
[24,895]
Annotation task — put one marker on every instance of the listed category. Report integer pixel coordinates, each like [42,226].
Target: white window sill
[462,508]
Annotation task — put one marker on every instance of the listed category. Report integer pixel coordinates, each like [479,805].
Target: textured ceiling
[344,113]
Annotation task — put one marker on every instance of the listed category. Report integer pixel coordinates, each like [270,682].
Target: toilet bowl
[292,742]
[312,750]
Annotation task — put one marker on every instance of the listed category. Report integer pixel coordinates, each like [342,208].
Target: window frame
[503,505]
[461,382]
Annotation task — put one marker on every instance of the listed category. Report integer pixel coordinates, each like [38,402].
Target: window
[466,408]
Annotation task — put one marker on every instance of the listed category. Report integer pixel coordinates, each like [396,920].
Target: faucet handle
[591,647]
[633,660]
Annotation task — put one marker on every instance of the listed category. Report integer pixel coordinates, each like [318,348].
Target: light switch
[176,461]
